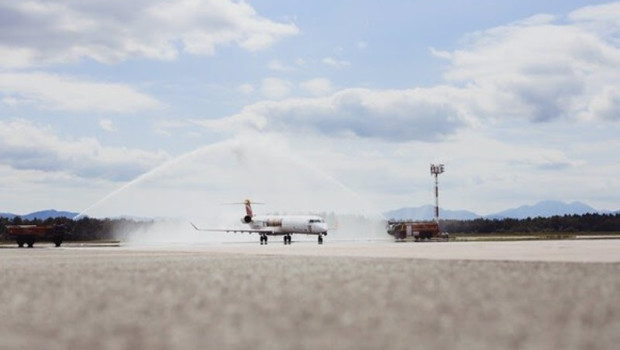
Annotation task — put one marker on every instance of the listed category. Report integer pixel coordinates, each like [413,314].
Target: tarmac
[341,295]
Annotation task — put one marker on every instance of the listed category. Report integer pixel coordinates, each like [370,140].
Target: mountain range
[540,209]
[425,212]
[41,215]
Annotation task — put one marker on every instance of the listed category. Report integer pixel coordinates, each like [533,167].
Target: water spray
[191,187]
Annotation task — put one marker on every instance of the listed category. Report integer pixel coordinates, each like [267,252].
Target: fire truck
[418,230]
[29,234]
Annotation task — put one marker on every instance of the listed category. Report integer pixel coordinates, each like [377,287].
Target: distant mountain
[42,215]
[545,209]
[427,212]
[540,209]
[46,214]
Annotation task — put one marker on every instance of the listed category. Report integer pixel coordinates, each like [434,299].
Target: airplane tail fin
[248,208]
[249,214]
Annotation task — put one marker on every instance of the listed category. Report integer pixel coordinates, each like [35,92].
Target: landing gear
[263,239]
[287,239]
[320,239]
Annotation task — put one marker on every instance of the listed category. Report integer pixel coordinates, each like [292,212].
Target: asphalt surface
[305,296]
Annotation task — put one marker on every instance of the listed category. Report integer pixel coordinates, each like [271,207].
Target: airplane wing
[267,232]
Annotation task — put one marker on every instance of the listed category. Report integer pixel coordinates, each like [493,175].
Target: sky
[519,100]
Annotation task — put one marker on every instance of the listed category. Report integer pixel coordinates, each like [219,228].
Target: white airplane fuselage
[287,224]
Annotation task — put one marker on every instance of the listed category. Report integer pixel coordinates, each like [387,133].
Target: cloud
[37,32]
[28,146]
[602,19]
[335,63]
[393,115]
[246,88]
[173,127]
[278,66]
[605,105]
[547,159]
[274,88]
[107,125]
[541,68]
[318,86]
[55,92]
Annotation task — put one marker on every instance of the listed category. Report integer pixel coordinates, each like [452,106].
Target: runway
[342,295]
[598,250]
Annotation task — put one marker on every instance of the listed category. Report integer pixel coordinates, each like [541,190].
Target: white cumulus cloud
[279,66]
[107,125]
[275,88]
[330,61]
[393,115]
[541,68]
[28,146]
[38,32]
[317,86]
[56,92]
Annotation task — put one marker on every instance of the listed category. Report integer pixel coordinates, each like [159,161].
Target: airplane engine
[246,219]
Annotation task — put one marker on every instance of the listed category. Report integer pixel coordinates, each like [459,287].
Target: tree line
[91,229]
[84,229]
[561,224]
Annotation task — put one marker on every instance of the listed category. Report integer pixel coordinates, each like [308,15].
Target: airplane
[278,225]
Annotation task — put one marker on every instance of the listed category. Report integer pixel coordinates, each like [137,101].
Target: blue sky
[519,99]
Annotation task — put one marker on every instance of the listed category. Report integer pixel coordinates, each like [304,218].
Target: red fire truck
[28,234]
[418,230]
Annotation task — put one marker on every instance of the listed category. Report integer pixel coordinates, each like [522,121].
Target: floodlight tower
[436,169]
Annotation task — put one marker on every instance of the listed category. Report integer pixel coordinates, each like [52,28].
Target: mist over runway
[342,295]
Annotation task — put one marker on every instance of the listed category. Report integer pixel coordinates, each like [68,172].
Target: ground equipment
[418,230]
[29,234]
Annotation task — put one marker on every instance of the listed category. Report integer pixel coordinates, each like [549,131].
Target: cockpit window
[312,221]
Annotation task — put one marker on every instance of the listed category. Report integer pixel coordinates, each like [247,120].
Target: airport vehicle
[278,225]
[418,230]
[29,234]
